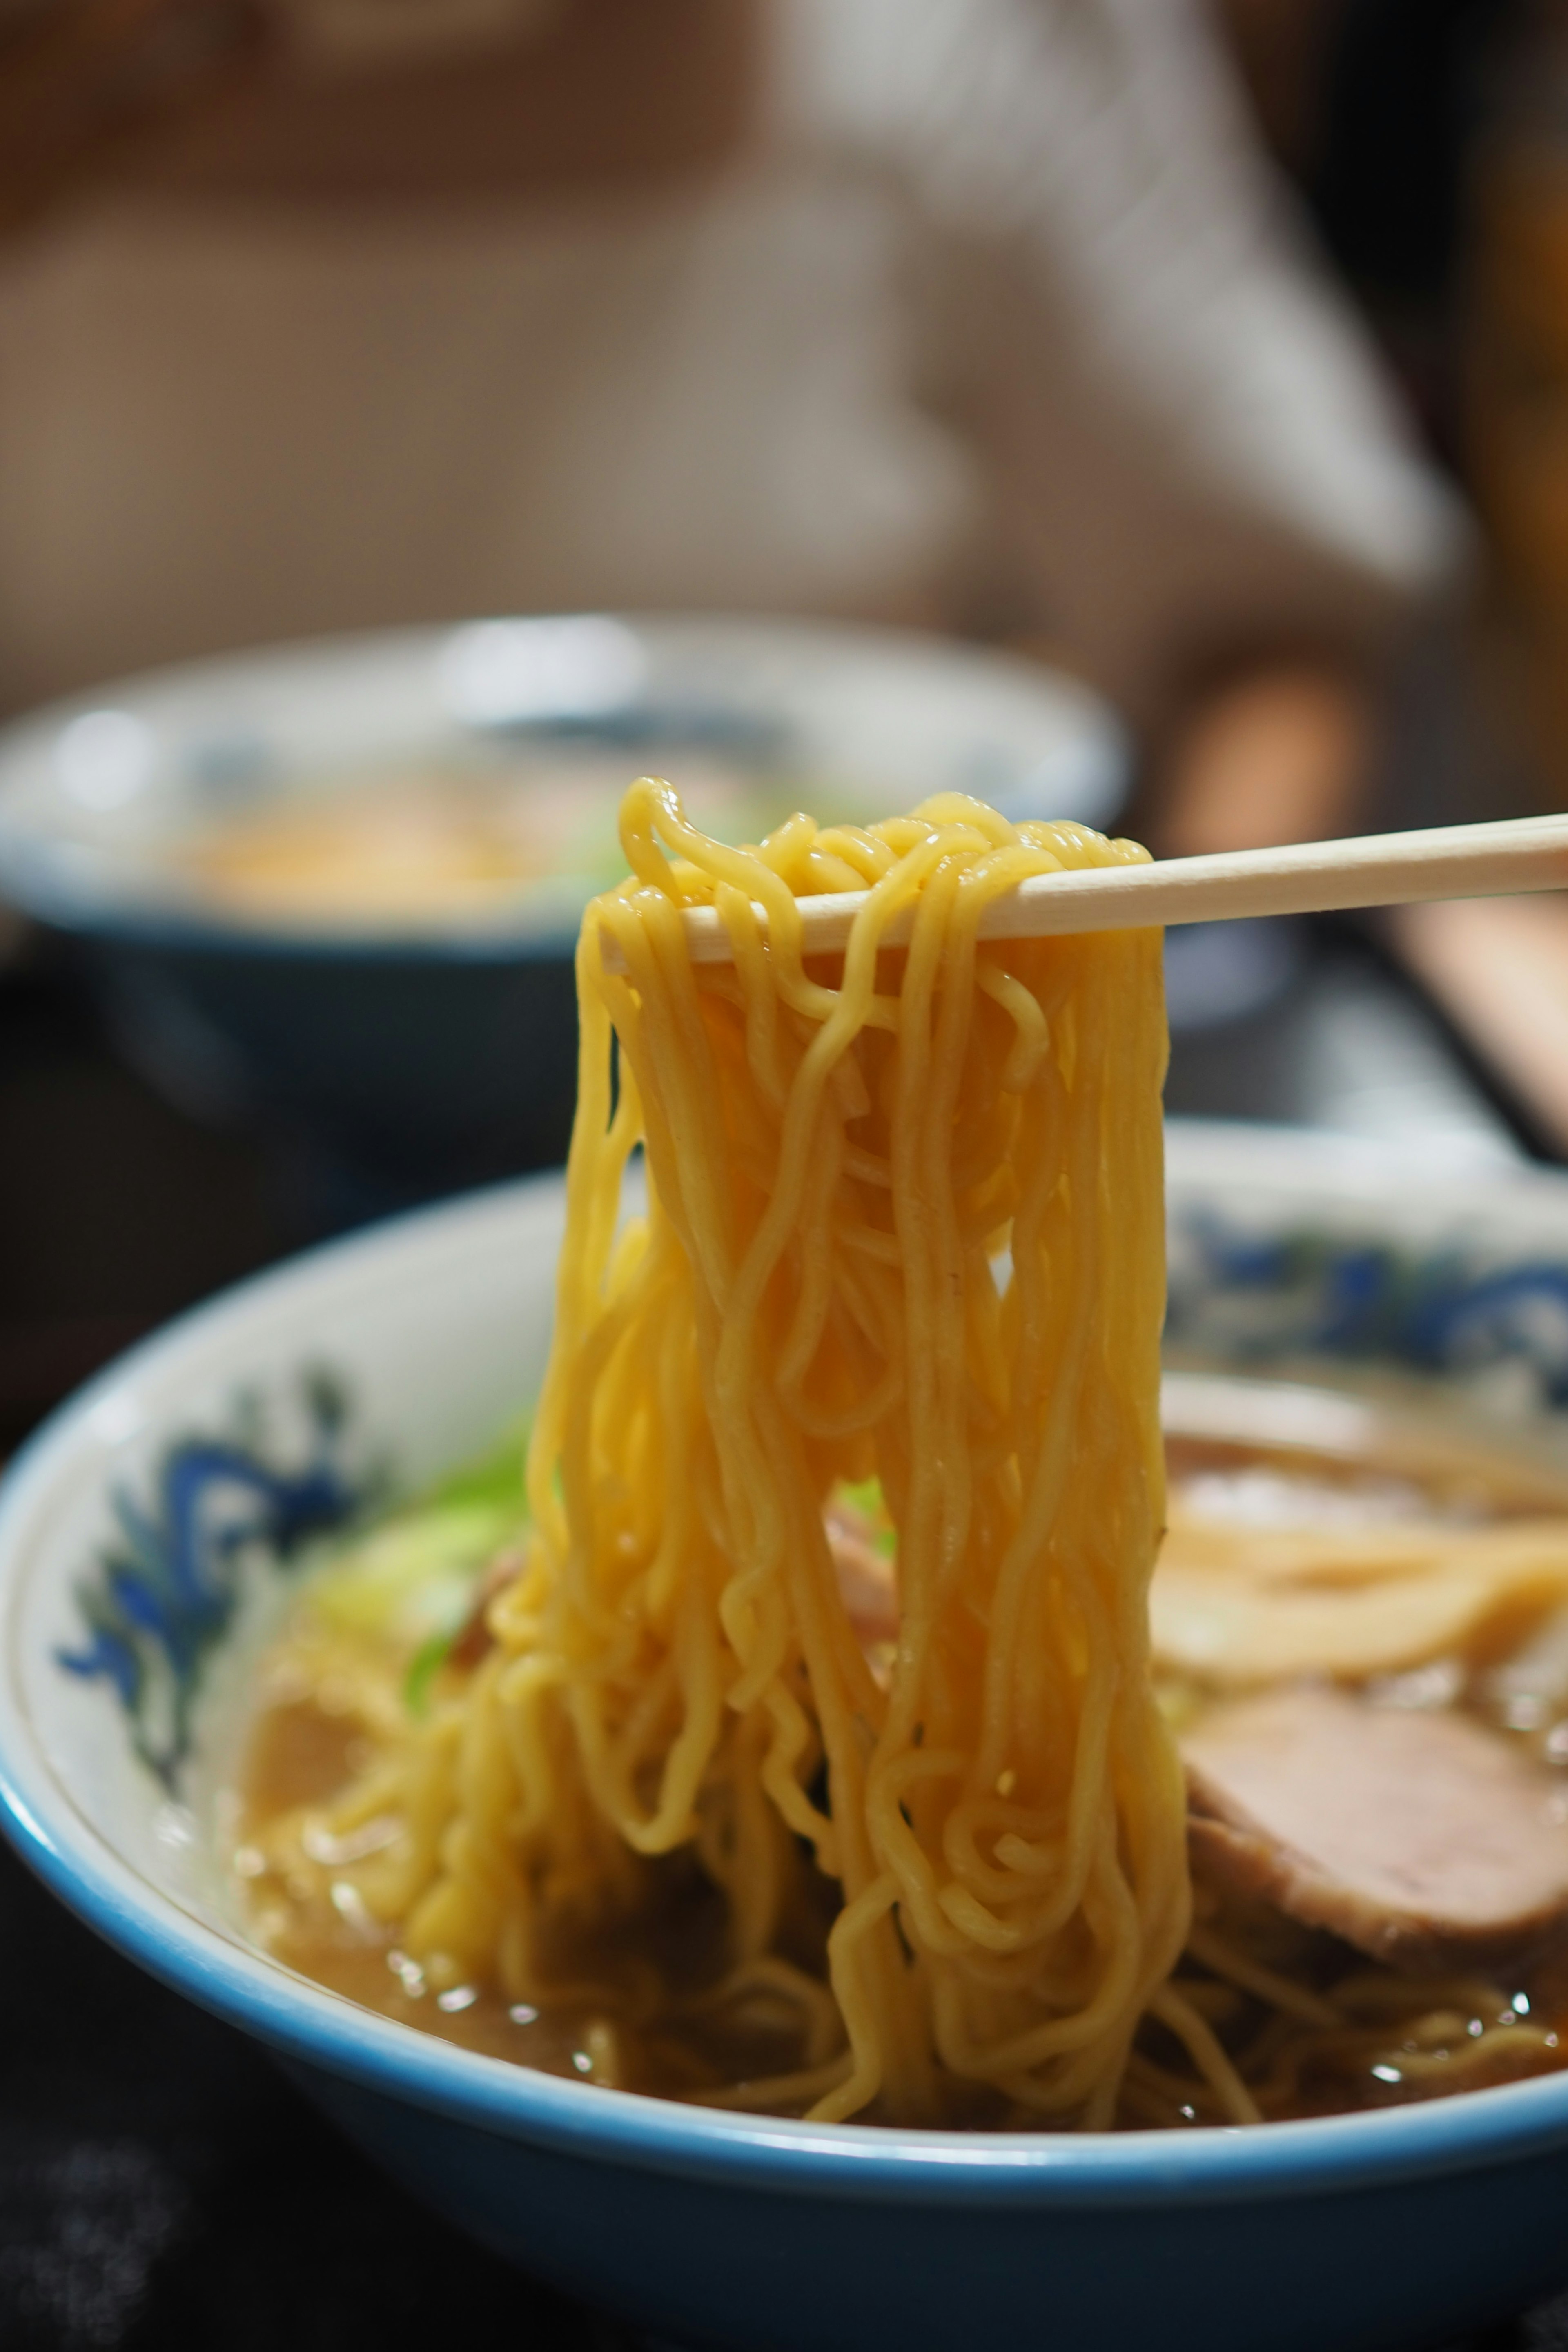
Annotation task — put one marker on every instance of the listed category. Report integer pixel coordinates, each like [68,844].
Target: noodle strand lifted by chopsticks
[904,1220]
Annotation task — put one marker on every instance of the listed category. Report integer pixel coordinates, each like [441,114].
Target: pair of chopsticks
[1386,869]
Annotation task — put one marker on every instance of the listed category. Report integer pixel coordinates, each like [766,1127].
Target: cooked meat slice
[865,1575]
[1426,1840]
[865,1579]
[474,1639]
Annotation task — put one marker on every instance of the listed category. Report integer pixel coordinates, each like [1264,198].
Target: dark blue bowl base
[412,1075]
[1378,2269]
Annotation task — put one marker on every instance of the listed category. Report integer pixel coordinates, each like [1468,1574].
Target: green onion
[423,1668]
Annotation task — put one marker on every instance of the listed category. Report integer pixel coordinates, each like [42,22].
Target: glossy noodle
[904,1222]
[808,1748]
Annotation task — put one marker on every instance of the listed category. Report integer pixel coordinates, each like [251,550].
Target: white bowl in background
[421,1055]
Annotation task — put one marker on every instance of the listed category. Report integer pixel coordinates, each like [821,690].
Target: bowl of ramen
[335,887]
[736,1725]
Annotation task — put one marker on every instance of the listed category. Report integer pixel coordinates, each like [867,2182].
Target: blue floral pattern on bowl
[165,1589]
[1249,1298]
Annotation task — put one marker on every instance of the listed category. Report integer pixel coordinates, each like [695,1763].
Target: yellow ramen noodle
[905,1222]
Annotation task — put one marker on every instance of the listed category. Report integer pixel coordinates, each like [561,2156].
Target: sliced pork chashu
[1426,1840]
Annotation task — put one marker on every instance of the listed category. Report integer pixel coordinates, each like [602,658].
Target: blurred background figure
[323,314]
[1031,321]
[1492,733]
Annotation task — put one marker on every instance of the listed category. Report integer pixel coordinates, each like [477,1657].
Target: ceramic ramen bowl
[148,1539]
[394,994]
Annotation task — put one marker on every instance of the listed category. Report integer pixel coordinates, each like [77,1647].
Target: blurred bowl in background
[335,888]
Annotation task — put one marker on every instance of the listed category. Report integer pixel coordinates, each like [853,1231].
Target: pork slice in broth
[1426,1840]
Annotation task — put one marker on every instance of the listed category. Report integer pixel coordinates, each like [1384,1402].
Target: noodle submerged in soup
[793,1737]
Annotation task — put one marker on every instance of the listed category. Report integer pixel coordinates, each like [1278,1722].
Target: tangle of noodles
[904,1220]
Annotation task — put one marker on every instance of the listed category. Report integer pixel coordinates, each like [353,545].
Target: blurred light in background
[104,757]
[501,673]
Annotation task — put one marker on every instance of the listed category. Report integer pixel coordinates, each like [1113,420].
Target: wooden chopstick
[1382,870]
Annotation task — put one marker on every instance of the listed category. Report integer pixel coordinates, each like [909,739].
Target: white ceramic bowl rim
[306,2022]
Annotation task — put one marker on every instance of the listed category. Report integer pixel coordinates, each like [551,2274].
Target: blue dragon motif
[165,1590]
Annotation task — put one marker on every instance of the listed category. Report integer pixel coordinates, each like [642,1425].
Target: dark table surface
[162,2185]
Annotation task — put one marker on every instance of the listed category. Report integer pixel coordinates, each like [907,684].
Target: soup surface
[529,839]
[1387,1603]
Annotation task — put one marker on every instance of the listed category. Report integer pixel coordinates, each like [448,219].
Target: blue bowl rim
[1333,2155]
